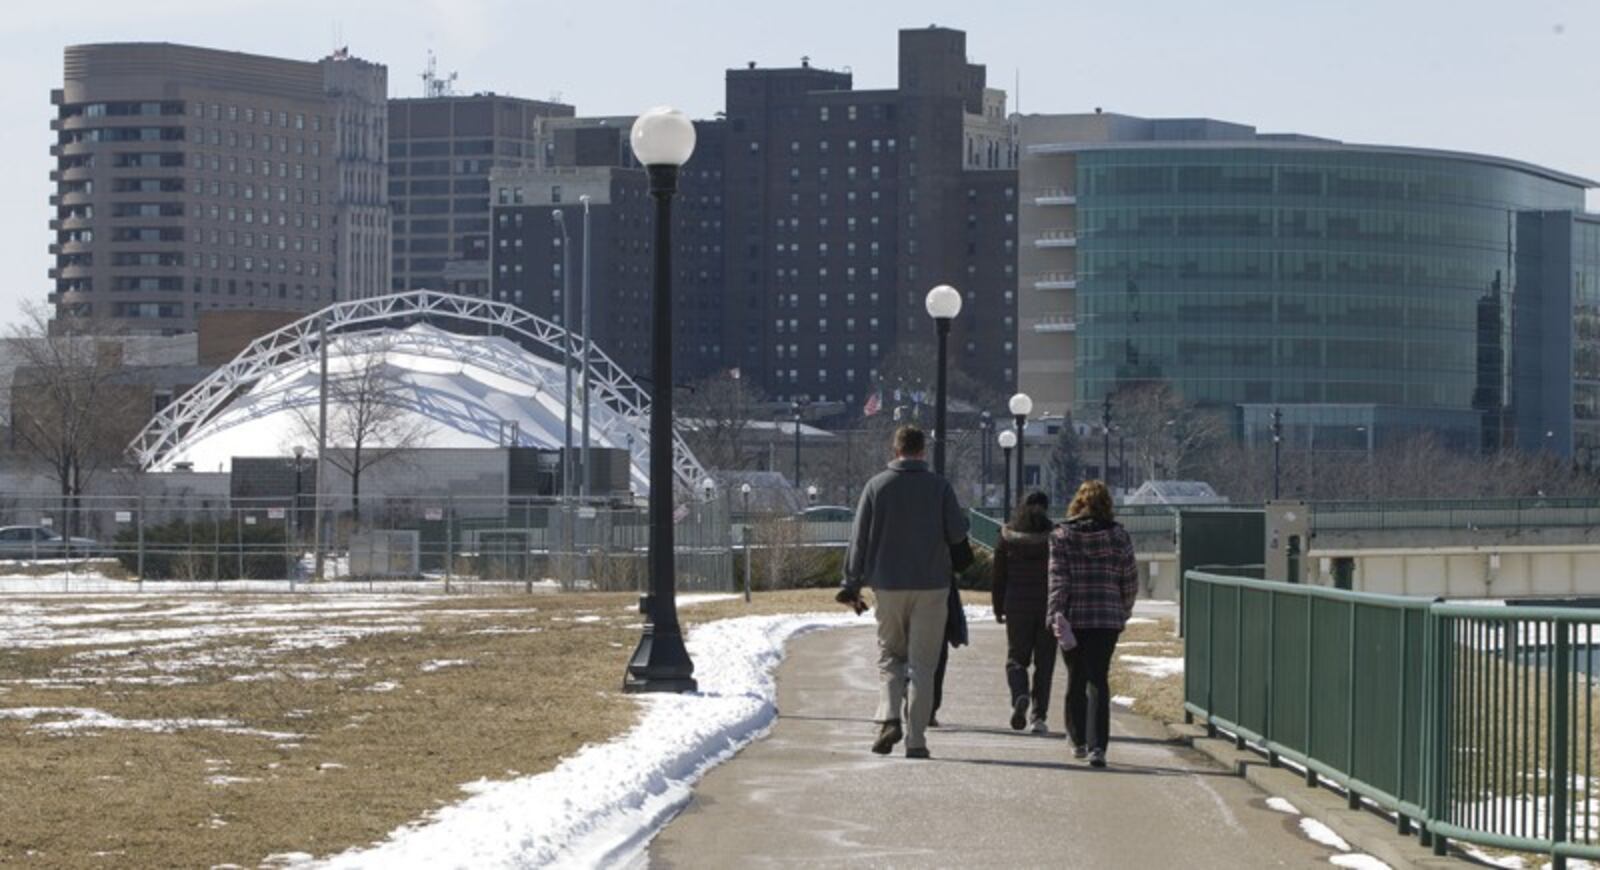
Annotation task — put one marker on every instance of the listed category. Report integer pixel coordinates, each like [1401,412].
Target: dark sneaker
[917,752]
[1080,752]
[888,735]
[1097,758]
[1019,714]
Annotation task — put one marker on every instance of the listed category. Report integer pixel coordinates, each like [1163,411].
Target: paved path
[811,794]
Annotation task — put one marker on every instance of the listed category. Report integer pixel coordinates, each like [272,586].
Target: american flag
[874,405]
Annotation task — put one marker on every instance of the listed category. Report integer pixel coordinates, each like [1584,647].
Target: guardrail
[1467,722]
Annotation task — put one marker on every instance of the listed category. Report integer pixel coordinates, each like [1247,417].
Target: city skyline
[1434,76]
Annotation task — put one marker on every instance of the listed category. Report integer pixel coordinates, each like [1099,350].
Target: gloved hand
[851,598]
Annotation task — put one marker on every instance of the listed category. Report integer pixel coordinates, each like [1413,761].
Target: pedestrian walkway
[811,794]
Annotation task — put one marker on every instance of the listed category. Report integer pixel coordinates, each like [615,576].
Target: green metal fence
[1466,722]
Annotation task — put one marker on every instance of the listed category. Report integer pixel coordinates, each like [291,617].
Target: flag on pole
[874,404]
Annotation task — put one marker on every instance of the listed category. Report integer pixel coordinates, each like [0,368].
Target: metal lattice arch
[620,407]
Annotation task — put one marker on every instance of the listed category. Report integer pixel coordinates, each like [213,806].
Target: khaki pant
[910,633]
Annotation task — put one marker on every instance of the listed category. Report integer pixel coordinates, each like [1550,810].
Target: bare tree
[68,409]
[717,414]
[368,424]
[1164,432]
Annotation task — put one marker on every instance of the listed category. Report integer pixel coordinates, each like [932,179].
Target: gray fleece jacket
[907,519]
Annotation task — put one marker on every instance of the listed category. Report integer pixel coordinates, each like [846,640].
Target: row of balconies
[1054,196]
[1056,239]
[1055,281]
[1050,324]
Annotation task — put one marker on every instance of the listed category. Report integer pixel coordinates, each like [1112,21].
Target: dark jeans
[1089,667]
[1029,642]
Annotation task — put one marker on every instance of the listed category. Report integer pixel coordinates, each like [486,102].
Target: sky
[1515,78]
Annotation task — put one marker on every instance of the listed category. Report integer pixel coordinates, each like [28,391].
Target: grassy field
[246,727]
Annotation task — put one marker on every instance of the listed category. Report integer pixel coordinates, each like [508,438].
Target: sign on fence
[275,513]
[124,516]
[249,519]
[47,522]
[433,514]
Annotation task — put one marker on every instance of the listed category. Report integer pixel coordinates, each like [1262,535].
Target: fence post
[1311,630]
[1238,664]
[1443,688]
[1352,800]
[238,538]
[1559,772]
[140,531]
[449,540]
[1402,822]
[1272,685]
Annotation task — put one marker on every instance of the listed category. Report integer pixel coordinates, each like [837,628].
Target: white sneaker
[1039,727]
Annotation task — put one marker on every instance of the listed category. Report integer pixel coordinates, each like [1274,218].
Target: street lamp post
[588,343]
[943,303]
[744,490]
[662,140]
[566,354]
[794,408]
[299,455]
[1021,406]
[1105,438]
[985,426]
[1008,440]
[1277,453]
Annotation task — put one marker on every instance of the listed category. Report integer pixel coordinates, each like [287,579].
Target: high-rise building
[844,207]
[591,157]
[189,179]
[441,152]
[1369,293]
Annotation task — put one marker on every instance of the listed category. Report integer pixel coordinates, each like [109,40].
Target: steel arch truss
[299,341]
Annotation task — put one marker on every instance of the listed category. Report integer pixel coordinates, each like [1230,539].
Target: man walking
[906,522]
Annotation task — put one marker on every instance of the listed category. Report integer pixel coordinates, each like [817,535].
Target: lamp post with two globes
[1021,406]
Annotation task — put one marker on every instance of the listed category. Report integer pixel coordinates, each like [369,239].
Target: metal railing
[1467,722]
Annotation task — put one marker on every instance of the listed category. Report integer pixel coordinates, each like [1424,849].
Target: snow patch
[1323,834]
[1282,806]
[81,719]
[1358,861]
[1154,666]
[602,806]
[429,667]
[1123,700]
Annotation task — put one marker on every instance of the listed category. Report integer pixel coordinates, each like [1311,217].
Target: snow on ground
[1323,834]
[1358,861]
[602,806]
[80,720]
[1154,666]
[1282,806]
[1123,700]
[694,598]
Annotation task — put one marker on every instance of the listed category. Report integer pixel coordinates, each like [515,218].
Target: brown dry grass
[1160,698]
[129,798]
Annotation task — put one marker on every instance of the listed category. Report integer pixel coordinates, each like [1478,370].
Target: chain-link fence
[383,542]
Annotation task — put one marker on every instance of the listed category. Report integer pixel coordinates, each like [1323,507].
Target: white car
[41,542]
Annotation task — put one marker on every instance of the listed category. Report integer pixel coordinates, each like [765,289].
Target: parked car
[42,542]
[828,513]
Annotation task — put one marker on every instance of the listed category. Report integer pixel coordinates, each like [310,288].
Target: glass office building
[1370,292]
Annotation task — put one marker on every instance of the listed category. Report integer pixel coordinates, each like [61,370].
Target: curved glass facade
[1320,275]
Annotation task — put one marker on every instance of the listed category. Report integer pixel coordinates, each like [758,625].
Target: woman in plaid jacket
[1093,581]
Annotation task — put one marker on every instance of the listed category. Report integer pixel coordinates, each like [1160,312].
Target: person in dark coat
[1020,587]
[1093,582]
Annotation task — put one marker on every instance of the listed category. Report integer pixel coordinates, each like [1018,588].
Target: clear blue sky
[1518,79]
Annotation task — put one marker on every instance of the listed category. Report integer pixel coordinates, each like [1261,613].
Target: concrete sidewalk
[811,794]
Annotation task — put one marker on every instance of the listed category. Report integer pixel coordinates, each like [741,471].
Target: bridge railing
[1470,722]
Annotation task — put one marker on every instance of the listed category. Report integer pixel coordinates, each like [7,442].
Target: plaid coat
[1093,576]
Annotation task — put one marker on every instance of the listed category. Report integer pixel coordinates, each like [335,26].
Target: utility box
[1288,539]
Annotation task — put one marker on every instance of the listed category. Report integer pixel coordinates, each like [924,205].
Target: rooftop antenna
[432,84]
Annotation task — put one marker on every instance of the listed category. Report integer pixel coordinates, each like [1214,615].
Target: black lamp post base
[660,664]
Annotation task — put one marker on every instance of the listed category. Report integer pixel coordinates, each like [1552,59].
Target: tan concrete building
[192,179]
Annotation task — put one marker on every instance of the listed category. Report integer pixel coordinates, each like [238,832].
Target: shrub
[206,549]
